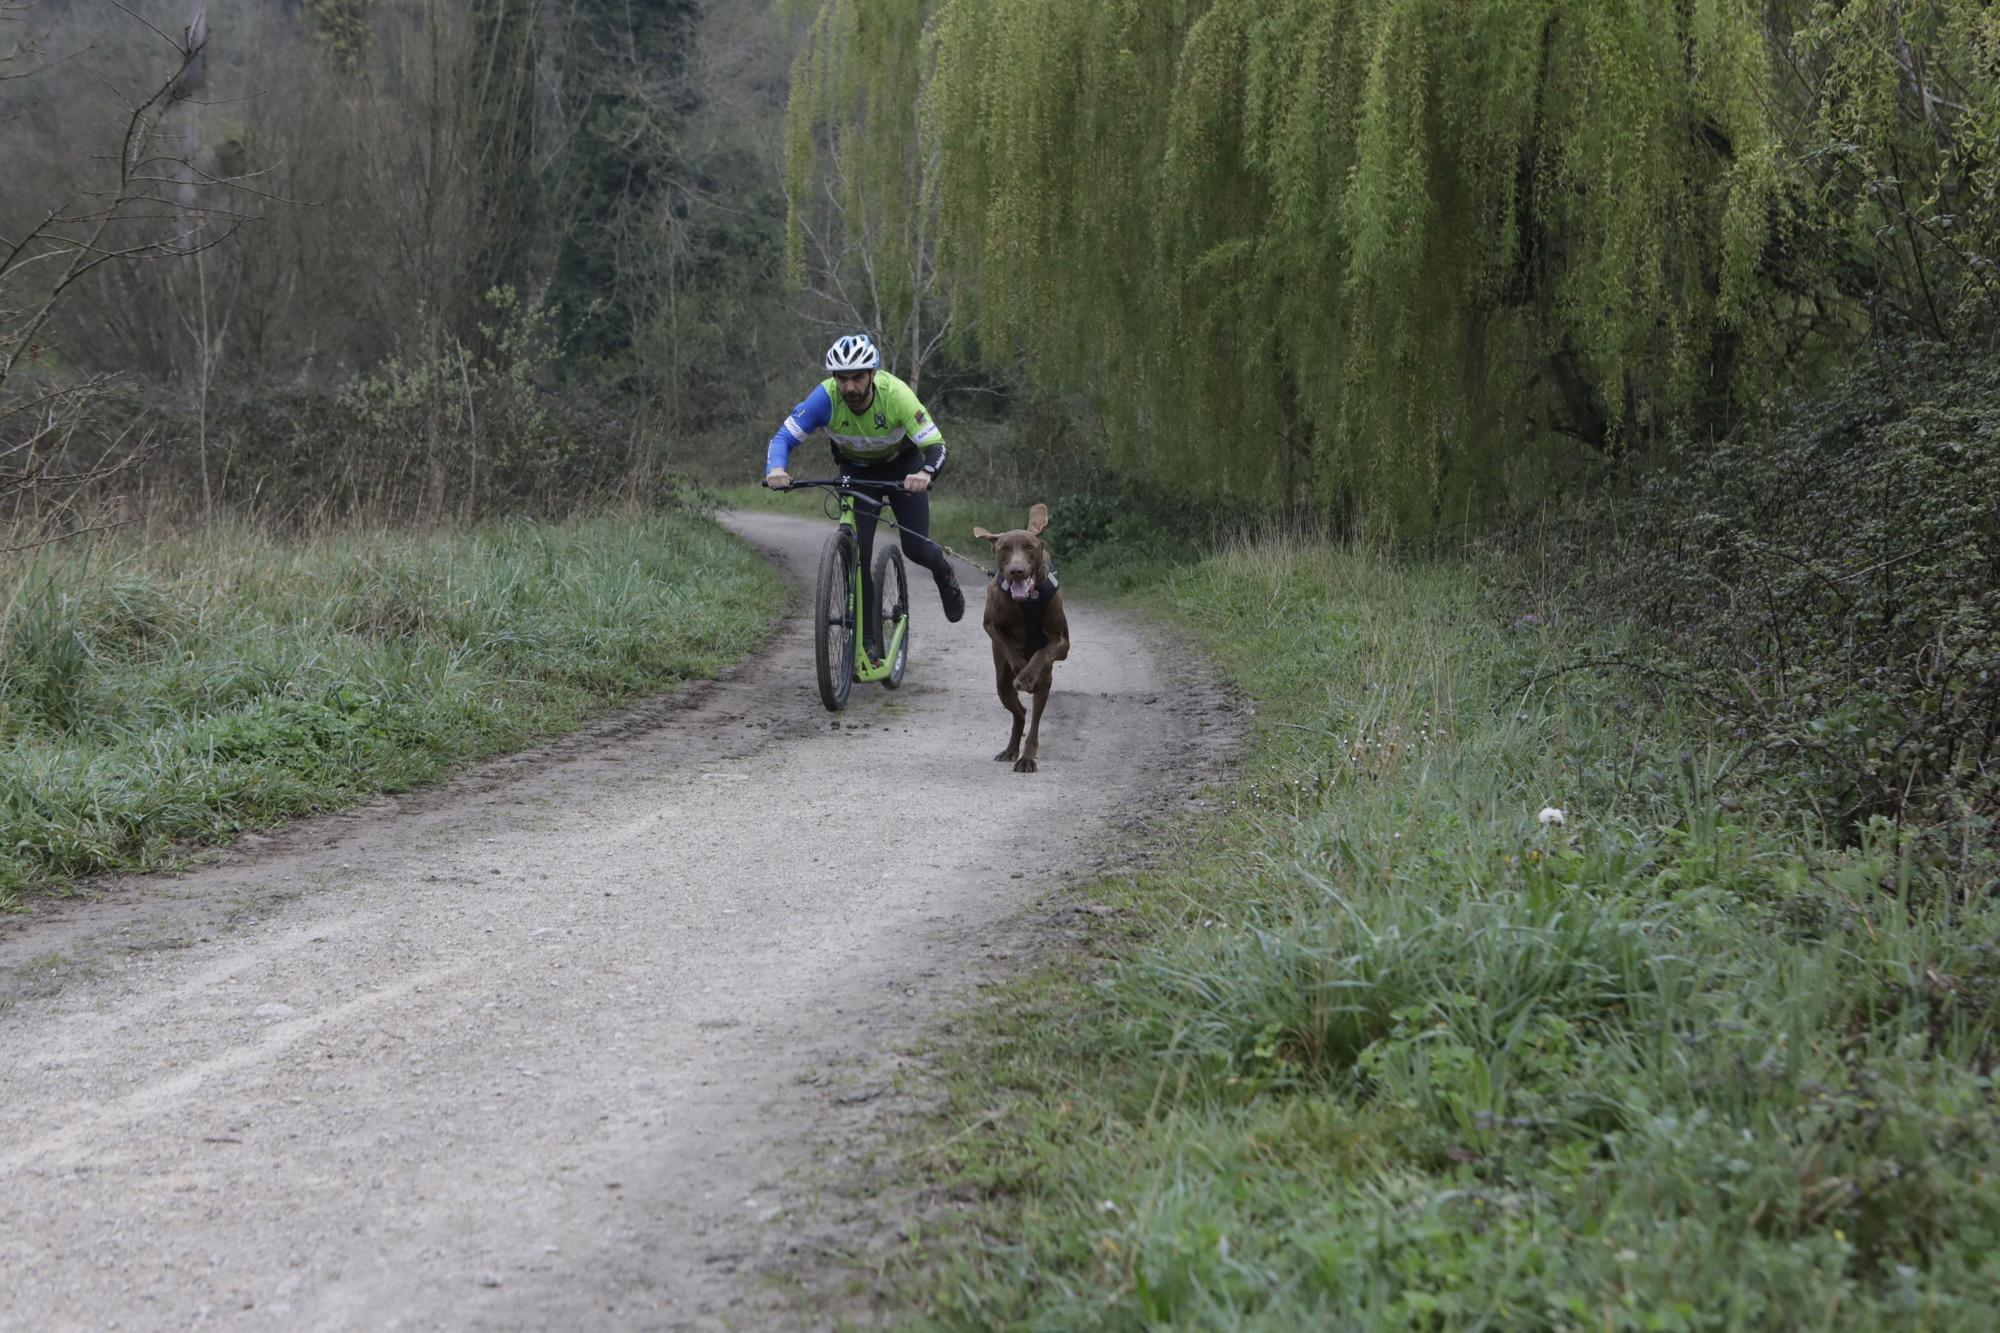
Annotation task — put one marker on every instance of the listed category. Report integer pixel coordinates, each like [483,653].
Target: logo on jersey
[921,418]
[881,422]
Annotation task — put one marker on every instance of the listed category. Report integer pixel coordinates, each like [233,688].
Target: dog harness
[1032,610]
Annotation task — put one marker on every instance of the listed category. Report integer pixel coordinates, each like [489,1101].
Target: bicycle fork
[868,668]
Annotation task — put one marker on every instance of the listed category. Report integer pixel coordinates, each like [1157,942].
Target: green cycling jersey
[893,421]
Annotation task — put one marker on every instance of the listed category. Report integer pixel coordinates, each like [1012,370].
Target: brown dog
[1030,633]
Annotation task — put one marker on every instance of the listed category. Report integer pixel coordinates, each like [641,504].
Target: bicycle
[840,655]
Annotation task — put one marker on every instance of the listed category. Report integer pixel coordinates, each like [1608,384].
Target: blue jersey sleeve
[806,418]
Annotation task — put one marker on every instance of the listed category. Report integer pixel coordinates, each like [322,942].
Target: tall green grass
[1381,1049]
[157,692]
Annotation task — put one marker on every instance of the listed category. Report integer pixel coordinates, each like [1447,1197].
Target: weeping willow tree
[1353,247]
[1406,249]
[1894,127]
[861,180]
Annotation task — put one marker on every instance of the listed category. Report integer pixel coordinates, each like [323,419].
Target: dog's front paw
[1007,755]
[1028,682]
[1024,766]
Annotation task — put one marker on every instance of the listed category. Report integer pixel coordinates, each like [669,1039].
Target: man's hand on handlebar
[919,482]
[777,479]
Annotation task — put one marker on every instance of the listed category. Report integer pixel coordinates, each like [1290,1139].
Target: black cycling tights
[913,516]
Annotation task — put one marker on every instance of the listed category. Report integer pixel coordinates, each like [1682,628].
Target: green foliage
[856,78]
[56,630]
[1405,249]
[180,690]
[1829,580]
[1127,536]
[1353,246]
[861,185]
[328,737]
[1899,155]
[1377,1049]
[345,30]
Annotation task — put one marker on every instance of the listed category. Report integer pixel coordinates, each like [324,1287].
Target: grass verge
[158,693]
[1379,1048]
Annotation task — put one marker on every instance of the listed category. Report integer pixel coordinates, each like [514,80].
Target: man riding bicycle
[879,432]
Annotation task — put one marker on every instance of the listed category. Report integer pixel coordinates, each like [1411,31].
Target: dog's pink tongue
[1021,587]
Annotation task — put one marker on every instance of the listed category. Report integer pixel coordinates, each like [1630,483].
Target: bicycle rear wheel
[834,622]
[892,594]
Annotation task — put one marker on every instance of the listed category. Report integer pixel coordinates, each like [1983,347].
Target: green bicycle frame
[866,668]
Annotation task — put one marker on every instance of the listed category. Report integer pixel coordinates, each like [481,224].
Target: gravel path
[555,1045]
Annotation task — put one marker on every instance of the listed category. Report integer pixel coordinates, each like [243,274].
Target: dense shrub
[384,449]
[439,432]
[1125,533]
[1830,583]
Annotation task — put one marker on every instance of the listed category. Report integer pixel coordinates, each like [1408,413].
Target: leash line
[959,556]
[884,517]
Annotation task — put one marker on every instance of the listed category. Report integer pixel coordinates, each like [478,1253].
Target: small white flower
[1107,1207]
[1551,817]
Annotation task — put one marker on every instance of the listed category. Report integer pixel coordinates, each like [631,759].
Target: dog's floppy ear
[985,536]
[1038,518]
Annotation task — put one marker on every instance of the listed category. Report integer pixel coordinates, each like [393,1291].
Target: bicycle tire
[892,595]
[833,622]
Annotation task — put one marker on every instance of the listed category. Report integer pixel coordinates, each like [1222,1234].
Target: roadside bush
[1124,534]
[445,432]
[1829,581]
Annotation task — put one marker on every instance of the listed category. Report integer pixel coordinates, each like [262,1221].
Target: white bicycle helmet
[854,352]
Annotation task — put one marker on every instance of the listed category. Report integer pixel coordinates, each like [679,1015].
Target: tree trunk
[189,96]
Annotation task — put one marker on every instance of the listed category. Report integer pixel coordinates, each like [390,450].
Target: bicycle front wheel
[834,622]
[892,593]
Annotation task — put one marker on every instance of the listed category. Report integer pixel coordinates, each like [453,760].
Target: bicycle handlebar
[853,488]
[846,484]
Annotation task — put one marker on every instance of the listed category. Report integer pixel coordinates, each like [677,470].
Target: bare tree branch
[153,204]
[110,525]
[146,23]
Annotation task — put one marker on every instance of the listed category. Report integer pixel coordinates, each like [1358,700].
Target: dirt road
[551,1046]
